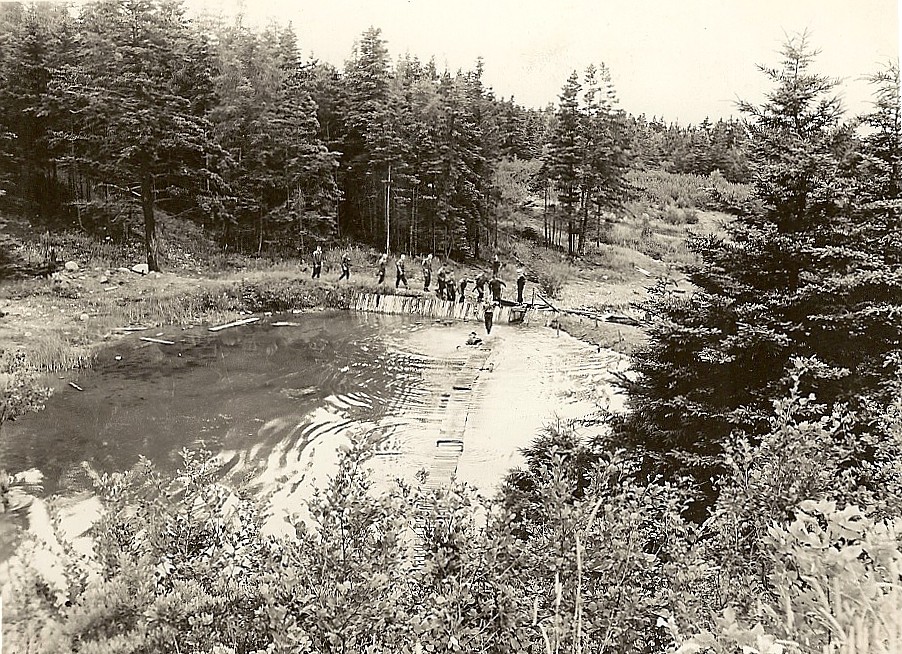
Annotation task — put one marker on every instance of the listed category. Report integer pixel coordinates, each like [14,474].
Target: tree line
[123,109]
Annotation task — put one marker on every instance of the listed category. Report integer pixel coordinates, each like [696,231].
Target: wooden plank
[237,323]
[157,340]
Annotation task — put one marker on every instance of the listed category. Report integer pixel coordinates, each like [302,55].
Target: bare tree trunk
[150,223]
[546,239]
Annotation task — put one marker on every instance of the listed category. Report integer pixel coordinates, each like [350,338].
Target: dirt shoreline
[61,323]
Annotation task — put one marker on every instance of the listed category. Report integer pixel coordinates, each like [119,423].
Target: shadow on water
[263,395]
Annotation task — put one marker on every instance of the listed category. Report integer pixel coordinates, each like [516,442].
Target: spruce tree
[565,154]
[134,128]
[799,278]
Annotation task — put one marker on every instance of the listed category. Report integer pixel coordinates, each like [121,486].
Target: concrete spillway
[429,306]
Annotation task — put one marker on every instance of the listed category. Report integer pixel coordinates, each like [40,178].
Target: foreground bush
[185,565]
[579,553]
[836,586]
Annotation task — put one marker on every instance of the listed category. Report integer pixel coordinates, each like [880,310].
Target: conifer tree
[792,280]
[136,129]
[565,153]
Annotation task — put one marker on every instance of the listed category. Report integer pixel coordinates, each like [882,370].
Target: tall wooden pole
[388,212]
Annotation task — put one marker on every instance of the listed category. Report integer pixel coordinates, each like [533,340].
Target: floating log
[237,323]
[286,323]
[131,329]
[76,386]
[157,340]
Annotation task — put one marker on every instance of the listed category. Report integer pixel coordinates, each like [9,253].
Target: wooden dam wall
[426,305]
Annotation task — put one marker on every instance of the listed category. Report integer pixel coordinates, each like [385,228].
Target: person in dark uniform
[383,261]
[345,267]
[480,286]
[450,287]
[317,262]
[427,272]
[488,316]
[495,285]
[463,289]
[400,269]
[441,282]
[496,265]
[521,284]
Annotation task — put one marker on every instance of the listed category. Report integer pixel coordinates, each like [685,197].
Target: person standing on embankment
[463,288]
[441,282]
[402,277]
[521,284]
[495,285]
[480,286]
[317,262]
[345,267]
[427,273]
[450,287]
[383,261]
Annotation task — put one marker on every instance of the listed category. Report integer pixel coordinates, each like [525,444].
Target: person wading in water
[488,315]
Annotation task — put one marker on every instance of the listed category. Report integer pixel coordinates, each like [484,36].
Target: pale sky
[681,59]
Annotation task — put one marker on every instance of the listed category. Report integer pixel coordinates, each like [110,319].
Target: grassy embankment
[625,256]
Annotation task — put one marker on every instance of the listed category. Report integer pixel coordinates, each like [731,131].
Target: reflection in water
[263,395]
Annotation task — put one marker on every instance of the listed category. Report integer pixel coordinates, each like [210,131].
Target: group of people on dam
[450,285]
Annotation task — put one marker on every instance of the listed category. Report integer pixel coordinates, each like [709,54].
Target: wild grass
[553,277]
[53,352]
[645,237]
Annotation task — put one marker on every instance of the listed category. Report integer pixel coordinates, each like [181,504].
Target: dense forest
[129,110]
[750,500]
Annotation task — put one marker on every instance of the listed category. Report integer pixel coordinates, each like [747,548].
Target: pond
[276,402]
[257,386]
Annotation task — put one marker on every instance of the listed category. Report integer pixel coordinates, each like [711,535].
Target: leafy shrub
[670,192]
[185,564]
[835,587]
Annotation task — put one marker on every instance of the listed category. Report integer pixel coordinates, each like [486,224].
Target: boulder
[141,268]
[71,266]
[104,279]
